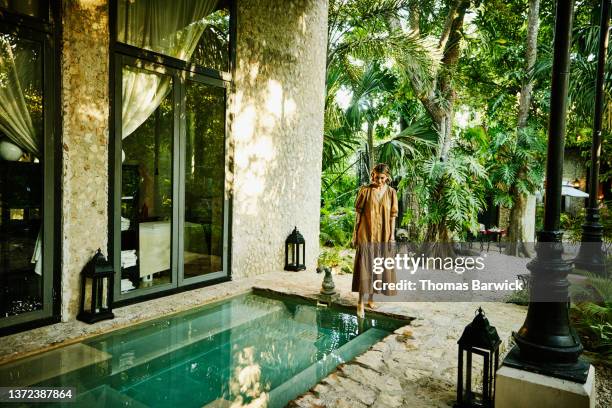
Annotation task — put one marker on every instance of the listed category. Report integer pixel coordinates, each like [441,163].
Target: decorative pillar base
[519,388]
[577,371]
[591,256]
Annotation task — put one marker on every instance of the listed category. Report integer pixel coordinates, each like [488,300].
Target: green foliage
[337,226]
[515,163]
[593,323]
[454,191]
[593,319]
[572,224]
[389,72]
[358,31]
[338,258]
[519,297]
[584,50]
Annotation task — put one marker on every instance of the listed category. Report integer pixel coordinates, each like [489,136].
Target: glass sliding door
[204,167]
[170,216]
[27,185]
[172,69]
[147,157]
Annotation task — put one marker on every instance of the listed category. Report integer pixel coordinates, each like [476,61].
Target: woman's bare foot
[371,304]
[360,310]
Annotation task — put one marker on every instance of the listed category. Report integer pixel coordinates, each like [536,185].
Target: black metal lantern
[478,338]
[97,284]
[295,251]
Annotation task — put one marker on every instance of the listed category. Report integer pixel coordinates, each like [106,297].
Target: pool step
[128,354]
[54,363]
[208,349]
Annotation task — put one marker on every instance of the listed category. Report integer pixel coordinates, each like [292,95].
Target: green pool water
[240,349]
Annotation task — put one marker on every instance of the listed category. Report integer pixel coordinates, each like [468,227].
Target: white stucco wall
[277,130]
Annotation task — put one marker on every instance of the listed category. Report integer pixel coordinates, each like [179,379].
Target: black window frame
[46,31]
[120,53]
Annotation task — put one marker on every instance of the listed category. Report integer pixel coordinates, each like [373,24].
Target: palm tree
[358,31]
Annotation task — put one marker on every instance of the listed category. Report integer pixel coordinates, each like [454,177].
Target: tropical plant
[591,315]
[516,169]
[456,186]
[337,226]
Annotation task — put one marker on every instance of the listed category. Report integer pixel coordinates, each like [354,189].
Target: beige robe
[373,234]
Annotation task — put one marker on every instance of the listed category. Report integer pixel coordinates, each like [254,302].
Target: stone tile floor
[413,367]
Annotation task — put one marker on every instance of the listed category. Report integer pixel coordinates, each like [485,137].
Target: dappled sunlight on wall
[277,130]
[85,110]
[256,158]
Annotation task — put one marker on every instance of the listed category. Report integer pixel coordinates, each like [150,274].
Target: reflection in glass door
[170,208]
[147,126]
[204,168]
[25,278]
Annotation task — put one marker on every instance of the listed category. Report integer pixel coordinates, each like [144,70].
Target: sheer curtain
[171,28]
[18,68]
[16,71]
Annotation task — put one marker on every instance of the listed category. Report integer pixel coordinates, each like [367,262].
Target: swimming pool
[244,349]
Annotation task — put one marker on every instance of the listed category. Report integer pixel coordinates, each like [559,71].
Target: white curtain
[17,69]
[171,28]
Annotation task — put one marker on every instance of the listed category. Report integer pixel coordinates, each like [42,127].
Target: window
[33,8]
[27,180]
[172,63]
[190,30]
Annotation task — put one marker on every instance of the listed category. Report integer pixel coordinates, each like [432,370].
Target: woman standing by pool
[376,210]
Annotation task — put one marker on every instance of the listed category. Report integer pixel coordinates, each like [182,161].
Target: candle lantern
[97,286]
[479,338]
[295,251]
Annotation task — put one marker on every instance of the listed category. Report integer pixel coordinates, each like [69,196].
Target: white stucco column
[277,130]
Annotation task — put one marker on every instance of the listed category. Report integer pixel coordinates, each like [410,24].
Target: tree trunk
[533,25]
[445,126]
[516,235]
[438,242]
[371,161]
[516,242]
[442,112]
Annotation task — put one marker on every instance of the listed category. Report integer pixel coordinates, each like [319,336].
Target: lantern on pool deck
[97,286]
[295,251]
[478,338]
